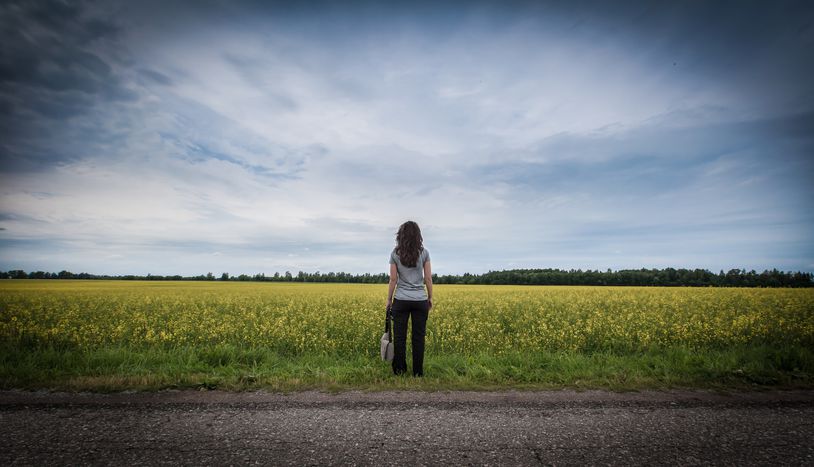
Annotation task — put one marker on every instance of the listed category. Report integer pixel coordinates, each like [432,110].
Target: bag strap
[387,322]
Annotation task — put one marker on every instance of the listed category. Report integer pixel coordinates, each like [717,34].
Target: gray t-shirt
[410,285]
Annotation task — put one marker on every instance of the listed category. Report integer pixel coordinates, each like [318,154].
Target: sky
[247,137]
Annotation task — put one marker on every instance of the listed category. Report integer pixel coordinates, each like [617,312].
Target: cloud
[56,65]
[156,77]
[259,138]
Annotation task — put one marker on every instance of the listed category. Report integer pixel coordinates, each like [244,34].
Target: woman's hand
[429,302]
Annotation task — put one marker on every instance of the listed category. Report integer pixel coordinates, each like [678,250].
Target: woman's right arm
[428,280]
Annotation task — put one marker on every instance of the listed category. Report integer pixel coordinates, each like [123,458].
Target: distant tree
[637,277]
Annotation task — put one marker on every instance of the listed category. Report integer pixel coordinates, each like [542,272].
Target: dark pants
[402,311]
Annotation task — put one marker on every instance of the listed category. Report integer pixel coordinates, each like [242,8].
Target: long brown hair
[409,243]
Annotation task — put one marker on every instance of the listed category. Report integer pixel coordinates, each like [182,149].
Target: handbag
[386,342]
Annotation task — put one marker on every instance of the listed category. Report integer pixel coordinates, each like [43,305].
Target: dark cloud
[46,41]
[51,71]
[761,50]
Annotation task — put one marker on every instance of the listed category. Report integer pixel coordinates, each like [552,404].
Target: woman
[409,272]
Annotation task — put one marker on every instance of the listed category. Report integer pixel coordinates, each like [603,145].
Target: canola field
[115,335]
[347,319]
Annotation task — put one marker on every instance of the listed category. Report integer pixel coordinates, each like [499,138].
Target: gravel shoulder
[691,427]
[565,397]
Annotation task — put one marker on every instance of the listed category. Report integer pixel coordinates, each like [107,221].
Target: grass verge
[236,368]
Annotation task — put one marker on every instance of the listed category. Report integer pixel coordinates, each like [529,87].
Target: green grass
[235,368]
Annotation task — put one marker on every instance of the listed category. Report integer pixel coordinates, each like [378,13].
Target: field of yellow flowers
[346,320]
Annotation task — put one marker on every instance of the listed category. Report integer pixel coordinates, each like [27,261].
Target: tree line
[638,277]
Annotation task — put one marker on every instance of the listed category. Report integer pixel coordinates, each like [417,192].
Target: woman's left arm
[394,277]
[428,280]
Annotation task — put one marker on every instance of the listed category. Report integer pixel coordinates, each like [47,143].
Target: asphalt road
[500,428]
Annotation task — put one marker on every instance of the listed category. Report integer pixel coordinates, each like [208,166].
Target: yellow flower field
[347,319]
